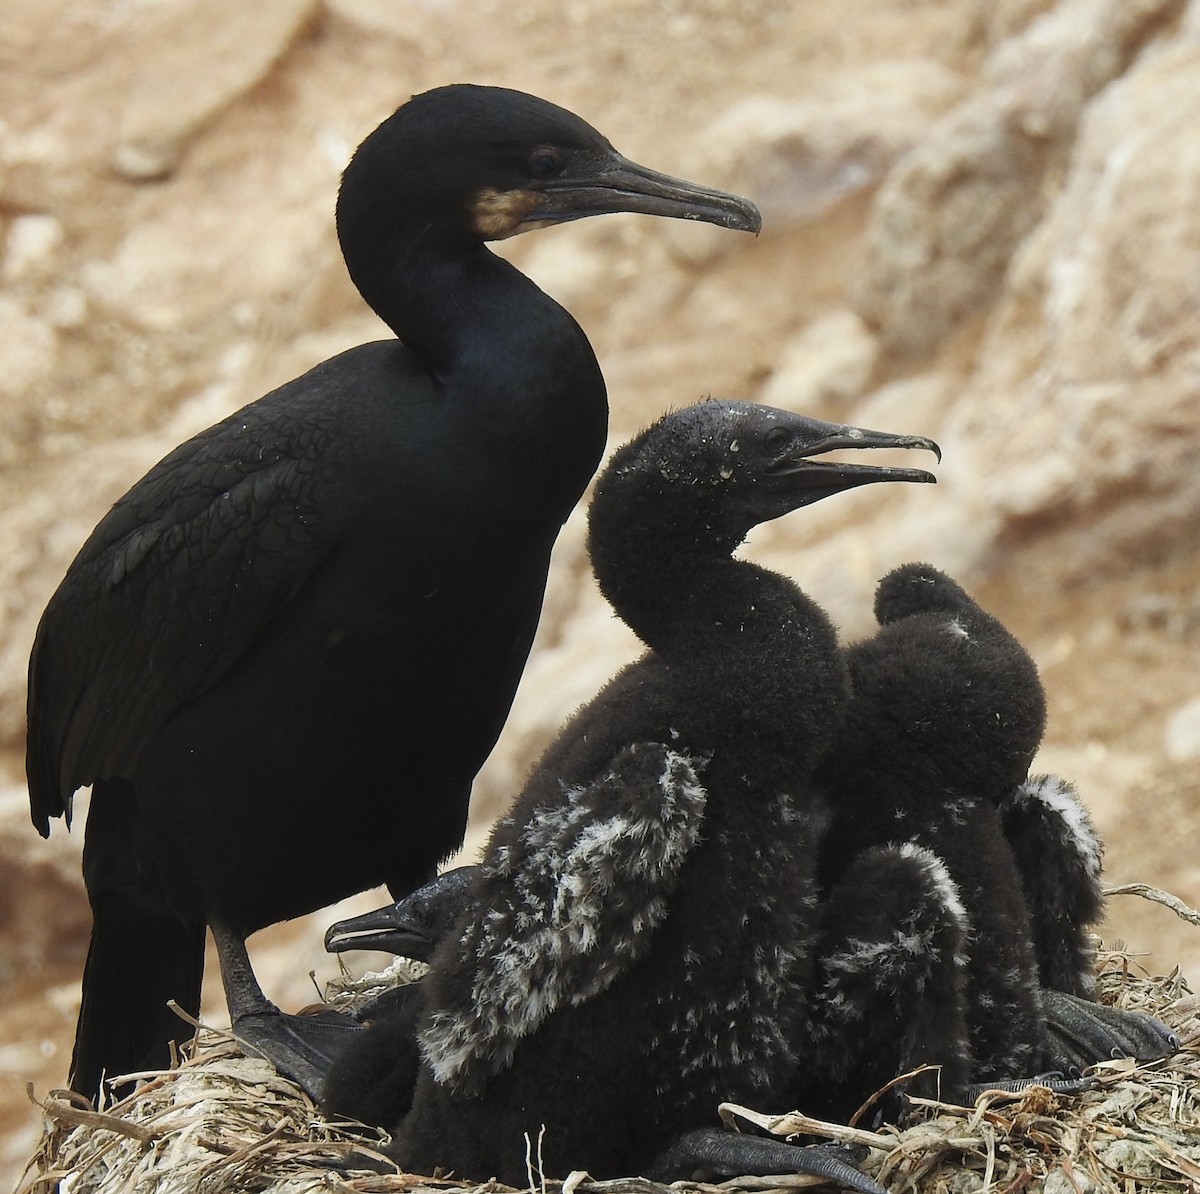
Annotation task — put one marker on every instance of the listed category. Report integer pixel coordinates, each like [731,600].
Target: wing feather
[173,586]
[566,901]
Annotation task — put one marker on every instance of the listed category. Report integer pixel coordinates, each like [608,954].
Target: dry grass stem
[1157,896]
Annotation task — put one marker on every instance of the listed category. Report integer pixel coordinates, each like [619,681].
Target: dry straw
[223,1122]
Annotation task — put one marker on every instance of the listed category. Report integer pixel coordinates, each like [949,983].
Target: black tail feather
[136,963]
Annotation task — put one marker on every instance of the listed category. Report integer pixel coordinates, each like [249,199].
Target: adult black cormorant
[635,947]
[928,950]
[282,657]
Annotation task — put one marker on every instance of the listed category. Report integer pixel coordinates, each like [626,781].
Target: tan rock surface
[1014,271]
[949,216]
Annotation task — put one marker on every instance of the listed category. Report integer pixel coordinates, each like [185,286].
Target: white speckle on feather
[579,901]
[959,810]
[1060,797]
[943,884]
[903,952]
[878,957]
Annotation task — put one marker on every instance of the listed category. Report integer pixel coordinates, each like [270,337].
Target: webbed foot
[302,1048]
[299,1047]
[718,1153]
[1082,1033]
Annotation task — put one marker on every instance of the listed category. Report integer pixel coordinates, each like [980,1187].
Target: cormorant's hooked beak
[617,184]
[384,929]
[411,927]
[810,480]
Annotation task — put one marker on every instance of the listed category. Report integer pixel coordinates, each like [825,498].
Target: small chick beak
[383,930]
[814,479]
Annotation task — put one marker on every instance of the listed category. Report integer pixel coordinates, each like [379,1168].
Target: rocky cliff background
[981,225]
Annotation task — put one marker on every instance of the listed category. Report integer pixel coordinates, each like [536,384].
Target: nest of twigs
[224,1122]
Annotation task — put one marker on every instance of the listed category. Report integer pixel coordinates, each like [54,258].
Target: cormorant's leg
[1082,1033]
[714,1152]
[300,1047]
[1059,855]
[411,927]
[887,987]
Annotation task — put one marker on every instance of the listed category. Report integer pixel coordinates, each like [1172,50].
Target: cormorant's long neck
[521,379]
[685,598]
[749,652]
[451,300]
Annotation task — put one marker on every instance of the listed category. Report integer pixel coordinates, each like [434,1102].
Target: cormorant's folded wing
[171,589]
[566,901]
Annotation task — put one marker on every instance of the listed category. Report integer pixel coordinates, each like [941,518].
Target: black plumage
[282,656]
[946,715]
[958,890]
[952,929]
[635,947]
[1059,857]
[889,990]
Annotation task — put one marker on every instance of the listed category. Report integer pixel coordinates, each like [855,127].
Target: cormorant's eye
[777,439]
[545,163]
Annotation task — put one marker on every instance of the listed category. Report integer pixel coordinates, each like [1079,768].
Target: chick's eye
[544,163]
[776,439]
